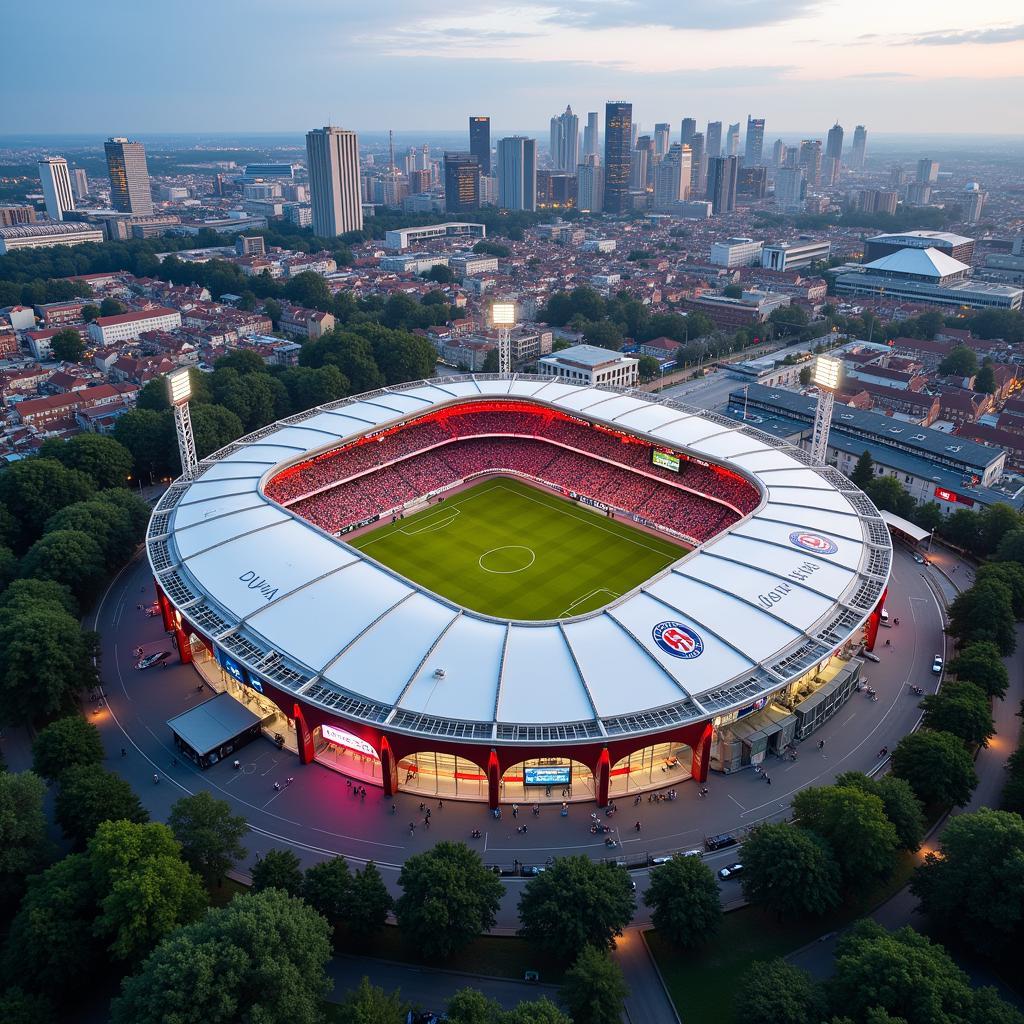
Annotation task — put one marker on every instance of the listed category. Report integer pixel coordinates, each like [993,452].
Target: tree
[65,743]
[490,362]
[776,992]
[790,870]
[995,522]
[1011,575]
[448,898]
[576,902]
[89,795]
[901,806]
[648,367]
[148,435]
[539,1011]
[901,972]
[34,489]
[440,274]
[961,362]
[489,248]
[244,361]
[214,427]
[106,523]
[960,528]
[106,462]
[10,565]
[67,345]
[110,307]
[594,988]
[278,869]
[260,958]
[308,387]
[733,291]
[985,612]
[368,1004]
[864,472]
[210,835]
[889,494]
[90,311]
[963,709]
[327,888]
[937,766]
[369,901]
[273,309]
[988,1007]
[603,334]
[1011,547]
[145,889]
[929,516]
[19,1007]
[684,897]
[309,289]
[71,557]
[975,886]
[23,843]
[469,1006]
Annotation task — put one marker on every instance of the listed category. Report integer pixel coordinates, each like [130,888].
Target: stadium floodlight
[503,317]
[179,391]
[503,314]
[827,374]
[179,386]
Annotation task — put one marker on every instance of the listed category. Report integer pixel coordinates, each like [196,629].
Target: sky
[140,67]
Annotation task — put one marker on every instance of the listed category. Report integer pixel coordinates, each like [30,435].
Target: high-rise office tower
[643,179]
[480,142]
[618,130]
[590,184]
[332,158]
[753,149]
[830,171]
[662,131]
[732,140]
[80,183]
[778,152]
[722,174]
[927,171]
[698,165]
[790,187]
[565,141]
[590,137]
[860,147]
[56,181]
[810,160]
[834,142]
[517,173]
[752,181]
[687,130]
[461,182]
[634,133]
[713,139]
[973,202]
[672,178]
[423,157]
[129,177]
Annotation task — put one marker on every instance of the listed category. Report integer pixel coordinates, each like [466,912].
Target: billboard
[666,460]
[944,494]
[346,739]
[553,775]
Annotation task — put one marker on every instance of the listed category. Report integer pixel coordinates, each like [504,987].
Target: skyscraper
[753,149]
[480,142]
[332,157]
[722,174]
[810,160]
[80,183]
[642,165]
[687,130]
[713,139]
[662,131]
[778,153]
[129,176]
[790,188]
[672,178]
[732,140]
[423,160]
[834,142]
[565,141]
[860,147]
[618,130]
[927,171]
[461,182]
[698,165]
[590,137]
[56,182]
[517,173]
[590,184]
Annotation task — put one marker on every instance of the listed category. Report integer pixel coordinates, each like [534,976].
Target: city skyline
[797,63]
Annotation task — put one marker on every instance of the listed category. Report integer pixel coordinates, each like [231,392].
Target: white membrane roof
[734,619]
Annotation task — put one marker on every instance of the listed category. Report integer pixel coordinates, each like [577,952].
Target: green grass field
[507,549]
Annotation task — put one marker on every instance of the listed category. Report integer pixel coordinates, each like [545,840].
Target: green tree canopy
[369,1004]
[1011,574]
[67,742]
[985,612]
[149,436]
[937,766]
[790,870]
[309,289]
[278,869]
[209,834]
[23,843]
[648,367]
[1011,547]
[111,307]
[980,663]
[106,462]
[214,427]
[996,521]
[576,901]
[901,806]
[67,345]
[308,387]
[89,795]
[776,992]
[71,557]
[448,898]
[260,958]
[683,895]
[963,709]
[369,902]
[594,988]
[890,495]
[107,524]
[961,362]
[32,490]
[864,472]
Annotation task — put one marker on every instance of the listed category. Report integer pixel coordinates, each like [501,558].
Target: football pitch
[507,549]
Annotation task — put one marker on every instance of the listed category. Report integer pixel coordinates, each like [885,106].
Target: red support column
[701,762]
[602,774]
[871,626]
[493,780]
[303,736]
[388,767]
[184,649]
[165,608]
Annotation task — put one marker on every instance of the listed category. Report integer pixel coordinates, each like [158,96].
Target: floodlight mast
[827,372]
[503,317]
[179,391]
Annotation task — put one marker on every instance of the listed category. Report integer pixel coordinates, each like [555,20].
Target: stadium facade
[706,664]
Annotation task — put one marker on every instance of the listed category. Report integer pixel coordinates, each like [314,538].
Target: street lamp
[503,317]
[826,375]
[179,391]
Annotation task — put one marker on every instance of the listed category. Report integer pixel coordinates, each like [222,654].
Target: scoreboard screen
[666,460]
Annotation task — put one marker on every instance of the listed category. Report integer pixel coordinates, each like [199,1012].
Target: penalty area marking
[586,597]
[448,517]
[507,547]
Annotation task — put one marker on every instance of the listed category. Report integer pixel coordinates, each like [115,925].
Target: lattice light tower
[827,372]
[179,391]
[503,317]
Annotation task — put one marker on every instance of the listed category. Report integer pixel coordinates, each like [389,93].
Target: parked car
[531,869]
[720,842]
[918,558]
[153,659]
[937,665]
[730,871]
[871,656]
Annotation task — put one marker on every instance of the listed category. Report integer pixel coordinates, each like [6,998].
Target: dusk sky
[121,66]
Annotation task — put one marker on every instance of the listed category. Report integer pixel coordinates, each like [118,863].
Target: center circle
[508,559]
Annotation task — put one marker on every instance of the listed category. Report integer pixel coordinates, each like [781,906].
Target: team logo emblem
[678,640]
[813,542]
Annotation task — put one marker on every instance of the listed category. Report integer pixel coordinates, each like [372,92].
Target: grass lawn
[701,983]
[510,550]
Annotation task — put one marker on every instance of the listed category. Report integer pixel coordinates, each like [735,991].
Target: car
[528,870]
[663,859]
[730,871]
[919,559]
[871,656]
[153,659]
[720,842]
[937,663]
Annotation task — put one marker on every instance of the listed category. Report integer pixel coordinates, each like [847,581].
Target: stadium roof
[919,262]
[920,238]
[767,600]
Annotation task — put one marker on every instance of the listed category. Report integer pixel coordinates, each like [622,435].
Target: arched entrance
[547,780]
[435,773]
[654,767]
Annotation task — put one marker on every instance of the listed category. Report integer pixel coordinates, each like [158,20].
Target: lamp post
[179,391]
[827,372]
[503,317]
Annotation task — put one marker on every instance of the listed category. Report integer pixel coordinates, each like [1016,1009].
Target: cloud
[880,74]
[991,36]
[713,15]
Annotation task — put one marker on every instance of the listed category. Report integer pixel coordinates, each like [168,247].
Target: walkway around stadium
[318,817]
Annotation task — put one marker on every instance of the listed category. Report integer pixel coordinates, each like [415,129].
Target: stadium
[503,588]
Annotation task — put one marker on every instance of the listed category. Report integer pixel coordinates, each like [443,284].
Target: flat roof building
[42,236]
[795,255]
[960,247]
[588,364]
[402,238]
[107,329]
[736,252]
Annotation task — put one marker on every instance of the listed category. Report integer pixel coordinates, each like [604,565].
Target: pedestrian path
[647,1002]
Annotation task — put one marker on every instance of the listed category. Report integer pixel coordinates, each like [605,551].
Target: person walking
[637,826]
[821,744]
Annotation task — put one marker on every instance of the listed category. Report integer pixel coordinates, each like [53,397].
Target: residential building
[752,181]
[590,138]
[129,176]
[250,245]
[860,148]
[713,139]
[517,173]
[588,364]
[13,215]
[56,182]
[270,171]
[662,132]
[305,323]
[479,143]
[469,264]
[732,140]
[618,132]
[722,175]
[43,236]
[590,185]
[736,252]
[687,130]
[332,157]
[790,188]
[461,182]
[402,238]
[565,141]
[80,183]
[58,412]
[672,178]
[124,326]
[753,149]
[927,171]
[795,255]
[810,160]
[698,165]
[973,202]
